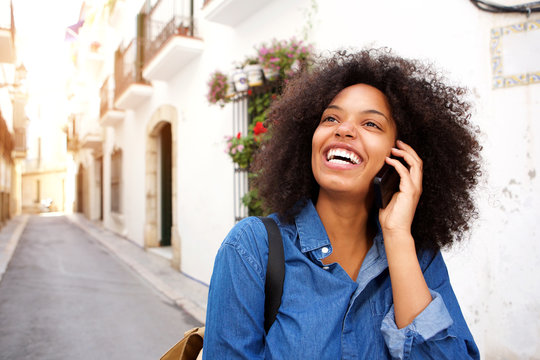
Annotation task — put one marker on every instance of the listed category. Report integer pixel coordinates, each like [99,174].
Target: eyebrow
[369,111]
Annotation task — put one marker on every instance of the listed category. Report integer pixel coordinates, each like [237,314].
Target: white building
[13,120]
[158,107]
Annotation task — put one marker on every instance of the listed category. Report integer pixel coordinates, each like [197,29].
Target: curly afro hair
[430,116]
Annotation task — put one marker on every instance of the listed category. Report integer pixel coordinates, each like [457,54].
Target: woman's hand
[409,289]
[398,215]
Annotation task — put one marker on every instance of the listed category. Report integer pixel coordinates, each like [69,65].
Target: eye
[329,119]
[371,124]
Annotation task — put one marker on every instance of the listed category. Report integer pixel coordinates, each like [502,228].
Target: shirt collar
[312,234]
[311,231]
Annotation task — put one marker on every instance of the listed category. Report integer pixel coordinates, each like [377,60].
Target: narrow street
[64,296]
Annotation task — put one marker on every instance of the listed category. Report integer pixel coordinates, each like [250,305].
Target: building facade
[13,120]
[148,148]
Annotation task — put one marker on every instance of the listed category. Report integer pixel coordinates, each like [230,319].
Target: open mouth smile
[342,156]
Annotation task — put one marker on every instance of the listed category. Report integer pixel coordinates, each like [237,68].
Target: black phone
[386,183]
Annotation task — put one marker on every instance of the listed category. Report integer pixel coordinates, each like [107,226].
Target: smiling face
[350,144]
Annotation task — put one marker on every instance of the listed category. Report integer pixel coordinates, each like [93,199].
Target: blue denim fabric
[324,314]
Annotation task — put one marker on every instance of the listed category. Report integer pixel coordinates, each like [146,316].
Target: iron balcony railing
[72,133]
[19,139]
[242,119]
[125,70]
[167,18]
[106,95]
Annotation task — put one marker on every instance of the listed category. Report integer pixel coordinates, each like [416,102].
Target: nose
[345,129]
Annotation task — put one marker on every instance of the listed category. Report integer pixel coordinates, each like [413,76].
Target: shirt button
[326,267]
[324,250]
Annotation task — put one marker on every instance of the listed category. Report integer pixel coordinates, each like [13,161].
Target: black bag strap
[275,272]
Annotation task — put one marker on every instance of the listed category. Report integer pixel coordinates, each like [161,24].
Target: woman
[360,282]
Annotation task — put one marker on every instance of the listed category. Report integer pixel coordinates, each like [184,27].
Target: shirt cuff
[432,320]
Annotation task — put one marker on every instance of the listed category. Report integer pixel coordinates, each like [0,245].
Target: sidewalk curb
[191,307]
[6,252]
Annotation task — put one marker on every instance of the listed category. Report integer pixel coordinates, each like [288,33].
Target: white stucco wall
[493,272]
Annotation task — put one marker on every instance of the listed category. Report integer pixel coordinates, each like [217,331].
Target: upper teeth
[342,153]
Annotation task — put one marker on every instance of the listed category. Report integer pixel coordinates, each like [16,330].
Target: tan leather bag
[188,348]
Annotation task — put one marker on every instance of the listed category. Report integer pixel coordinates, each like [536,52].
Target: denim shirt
[324,314]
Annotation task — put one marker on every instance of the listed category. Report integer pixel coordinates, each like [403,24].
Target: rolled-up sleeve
[439,331]
[433,320]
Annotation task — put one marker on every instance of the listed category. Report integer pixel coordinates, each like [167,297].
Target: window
[116,181]
[249,107]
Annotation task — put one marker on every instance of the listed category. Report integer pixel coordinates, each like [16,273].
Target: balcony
[108,114]
[231,12]
[7,34]
[72,136]
[131,89]
[171,40]
[72,144]
[19,143]
[91,141]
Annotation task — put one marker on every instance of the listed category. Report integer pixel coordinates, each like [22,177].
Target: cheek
[316,143]
[380,148]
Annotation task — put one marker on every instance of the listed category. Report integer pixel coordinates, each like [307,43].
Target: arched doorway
[164,173]
[160,223]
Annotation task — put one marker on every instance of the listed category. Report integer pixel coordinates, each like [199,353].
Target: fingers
[409,150]
[415,171]
[400,168]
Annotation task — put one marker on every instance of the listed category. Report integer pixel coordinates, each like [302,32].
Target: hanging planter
[240,80]
[254,74]
[231,91]
[271,73]
[218,88]
[274,61]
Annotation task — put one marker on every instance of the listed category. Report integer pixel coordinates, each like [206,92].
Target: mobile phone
[386,183]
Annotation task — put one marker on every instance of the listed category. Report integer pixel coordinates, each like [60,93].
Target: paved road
[64,296]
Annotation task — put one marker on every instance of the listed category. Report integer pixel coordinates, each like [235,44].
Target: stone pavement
[10,234]
[188,294]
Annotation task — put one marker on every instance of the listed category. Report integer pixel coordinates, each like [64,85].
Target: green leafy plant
[253,202]
[258,106]
[250,60]
[283,56]
[241,148]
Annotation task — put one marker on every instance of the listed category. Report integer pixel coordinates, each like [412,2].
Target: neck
[346,220]
[348,227]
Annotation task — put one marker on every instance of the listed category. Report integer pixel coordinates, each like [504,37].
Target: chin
[348,190]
